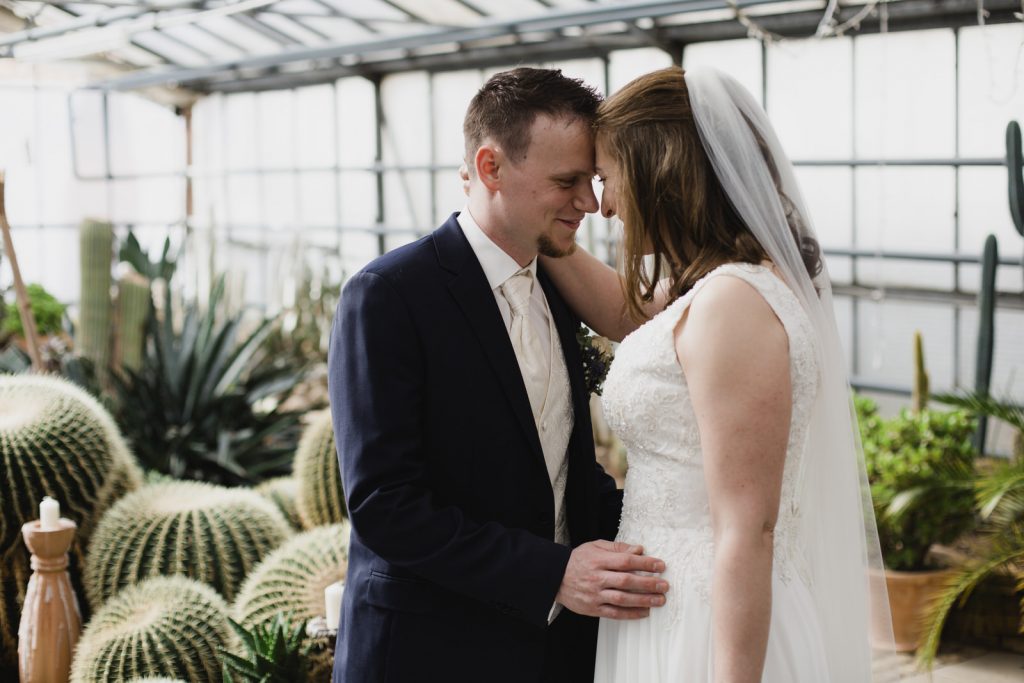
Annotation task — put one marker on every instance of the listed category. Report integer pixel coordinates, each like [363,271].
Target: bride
[730,393]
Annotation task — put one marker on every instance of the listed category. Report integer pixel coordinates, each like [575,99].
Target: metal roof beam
[550,21]
[98,19]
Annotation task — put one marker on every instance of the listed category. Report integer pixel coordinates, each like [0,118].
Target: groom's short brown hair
[504,109]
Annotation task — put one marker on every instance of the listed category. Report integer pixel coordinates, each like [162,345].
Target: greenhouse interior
[188,186]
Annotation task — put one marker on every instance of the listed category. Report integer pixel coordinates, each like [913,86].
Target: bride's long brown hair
[669,198]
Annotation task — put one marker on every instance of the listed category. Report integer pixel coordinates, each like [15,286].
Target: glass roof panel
[442,12]
[501,9]
[252,41]
[292,27]
[340,30]
[167,45]
[207,41]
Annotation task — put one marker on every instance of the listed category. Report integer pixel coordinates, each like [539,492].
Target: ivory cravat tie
[533,358]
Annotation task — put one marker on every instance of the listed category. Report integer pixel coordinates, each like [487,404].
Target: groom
[463,427]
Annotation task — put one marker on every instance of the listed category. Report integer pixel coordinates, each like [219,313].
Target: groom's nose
[585,199]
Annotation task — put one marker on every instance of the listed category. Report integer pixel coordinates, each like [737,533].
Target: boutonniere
[596,352]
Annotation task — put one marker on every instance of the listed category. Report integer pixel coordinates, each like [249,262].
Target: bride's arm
[593,291]
[734,353]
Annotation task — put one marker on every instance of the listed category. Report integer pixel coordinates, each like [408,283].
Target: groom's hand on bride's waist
[601,581]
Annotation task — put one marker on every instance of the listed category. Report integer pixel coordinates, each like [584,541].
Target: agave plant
[274,653]
[132,252]
[999,501]
[204,403]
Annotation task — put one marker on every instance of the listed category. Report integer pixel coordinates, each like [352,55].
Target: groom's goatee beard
[547,248]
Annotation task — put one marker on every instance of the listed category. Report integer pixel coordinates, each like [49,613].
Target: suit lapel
[472,293]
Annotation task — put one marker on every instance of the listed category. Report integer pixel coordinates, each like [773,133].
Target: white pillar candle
[49,514]
[332,603]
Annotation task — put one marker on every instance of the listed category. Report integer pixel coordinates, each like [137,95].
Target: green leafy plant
[47,311]
[999,502]
[162,268]
[921,468]
[274,653]
[205,402]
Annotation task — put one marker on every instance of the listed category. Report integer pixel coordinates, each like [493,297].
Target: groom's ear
[487,164]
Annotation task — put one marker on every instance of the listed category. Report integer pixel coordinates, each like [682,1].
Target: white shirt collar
[497,265]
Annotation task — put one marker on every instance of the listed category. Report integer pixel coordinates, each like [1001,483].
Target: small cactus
[209,533]
[282,492]
[321,499]
[133,303]
[293,578]
[166,626]
[920,391]
[96,251]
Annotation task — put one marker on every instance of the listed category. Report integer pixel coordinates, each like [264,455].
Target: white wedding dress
[665,508]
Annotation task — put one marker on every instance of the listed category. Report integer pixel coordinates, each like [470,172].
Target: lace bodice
[647,404]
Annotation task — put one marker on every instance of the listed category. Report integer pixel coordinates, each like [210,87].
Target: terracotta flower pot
[909,595]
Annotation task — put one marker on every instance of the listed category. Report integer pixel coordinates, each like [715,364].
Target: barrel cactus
[166,626]
[293,578]
[210,533]
[282,492]
[56,440]
[320,499]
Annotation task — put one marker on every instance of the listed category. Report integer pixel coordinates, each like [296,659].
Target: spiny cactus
[282,492]
[919,392]
[206,532]
[1015,168]
[166,626]
[133,303]
[320,500]
[57,440]
[96,245]
[293,578]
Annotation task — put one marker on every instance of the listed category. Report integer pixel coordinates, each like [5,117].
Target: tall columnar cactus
[920,391]
[293,578]
[320,499]
[986,331]
[206,532]
[166,626]
[96,244]
[1015,168]
[282,492]
[133,302]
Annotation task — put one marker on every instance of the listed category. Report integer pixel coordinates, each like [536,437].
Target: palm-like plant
[999,500]
[204,403]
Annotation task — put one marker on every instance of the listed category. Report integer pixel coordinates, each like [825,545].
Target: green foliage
[163,268]
[209,533]
[320,497]
[274,653]
[921,467]
[165,627]
[999,502]
[47,311]
[205,402]
[292,579]
[303,329]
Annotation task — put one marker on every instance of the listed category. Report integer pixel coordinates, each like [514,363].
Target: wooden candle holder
[50,619]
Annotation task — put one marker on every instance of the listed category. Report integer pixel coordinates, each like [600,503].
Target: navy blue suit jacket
[452,565]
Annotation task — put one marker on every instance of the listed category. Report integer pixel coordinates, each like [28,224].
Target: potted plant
[920,466]
[47,311]
[999,503]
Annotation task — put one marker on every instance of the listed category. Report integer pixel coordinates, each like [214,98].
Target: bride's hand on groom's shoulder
[600,581]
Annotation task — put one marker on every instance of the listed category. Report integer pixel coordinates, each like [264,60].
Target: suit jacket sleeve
[376,391]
